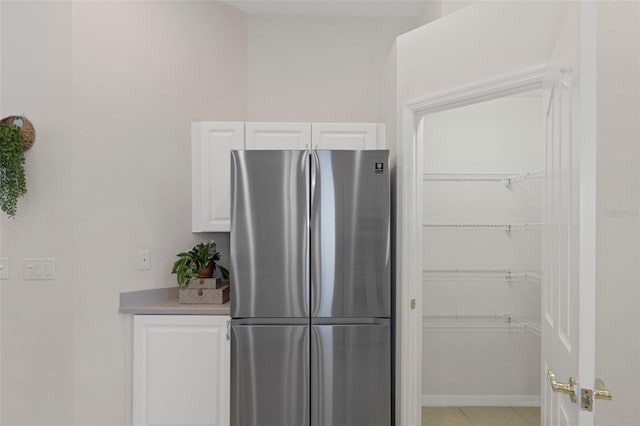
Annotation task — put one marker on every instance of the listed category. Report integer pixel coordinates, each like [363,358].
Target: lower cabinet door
[180,370]
[351,375]
[269,375]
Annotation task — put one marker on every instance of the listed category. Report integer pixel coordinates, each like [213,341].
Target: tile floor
[480,416]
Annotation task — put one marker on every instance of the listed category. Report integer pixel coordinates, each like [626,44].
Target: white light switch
[4,268]
[144,260]
[39,268]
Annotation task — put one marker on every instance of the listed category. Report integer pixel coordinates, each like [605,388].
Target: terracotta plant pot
[207,272]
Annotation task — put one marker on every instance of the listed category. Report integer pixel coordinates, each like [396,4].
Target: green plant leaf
[224,271]
[181,277]
[13,183]
[188,263]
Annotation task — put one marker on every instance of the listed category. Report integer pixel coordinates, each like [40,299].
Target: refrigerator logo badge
[379,168]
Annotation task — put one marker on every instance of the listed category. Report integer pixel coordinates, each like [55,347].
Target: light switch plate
[4,268]
[144,260]
[39,268]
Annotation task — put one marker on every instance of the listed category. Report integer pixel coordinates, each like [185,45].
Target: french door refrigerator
[311,293]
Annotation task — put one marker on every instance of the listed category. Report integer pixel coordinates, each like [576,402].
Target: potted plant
[13,184]
[199,262]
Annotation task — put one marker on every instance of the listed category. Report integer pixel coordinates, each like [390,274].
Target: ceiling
[397,8]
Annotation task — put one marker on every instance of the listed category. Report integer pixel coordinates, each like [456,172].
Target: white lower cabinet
[181,370]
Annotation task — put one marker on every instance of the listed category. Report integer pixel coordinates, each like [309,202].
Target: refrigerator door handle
[315,166]
[315,238]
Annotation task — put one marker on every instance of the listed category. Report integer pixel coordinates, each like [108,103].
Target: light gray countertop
[164,301]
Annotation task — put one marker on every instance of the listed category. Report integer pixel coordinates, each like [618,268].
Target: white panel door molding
[211,145]
[569,222]
[180,370]
[278,135]
[352,136]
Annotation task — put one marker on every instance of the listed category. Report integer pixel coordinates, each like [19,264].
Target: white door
[568,296]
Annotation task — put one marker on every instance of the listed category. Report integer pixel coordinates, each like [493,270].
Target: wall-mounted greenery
[13,184]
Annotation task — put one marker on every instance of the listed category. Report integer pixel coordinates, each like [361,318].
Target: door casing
[409,290]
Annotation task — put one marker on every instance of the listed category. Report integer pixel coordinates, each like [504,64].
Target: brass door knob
[601,391]
[566,388]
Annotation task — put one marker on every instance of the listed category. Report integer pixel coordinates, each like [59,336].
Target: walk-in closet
[482,222]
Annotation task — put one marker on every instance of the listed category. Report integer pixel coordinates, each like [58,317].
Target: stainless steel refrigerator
[311,292]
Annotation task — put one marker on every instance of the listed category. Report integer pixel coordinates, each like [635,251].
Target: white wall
[618,217]
[305,68]
[440,55]
[431,11]
[450,6]
[500,136]
[109,175]
[436,9]
[495,367]
[136,90]
[480,367]
[37,317]
[389,102]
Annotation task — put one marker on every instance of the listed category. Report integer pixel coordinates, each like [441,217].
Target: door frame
[409,301]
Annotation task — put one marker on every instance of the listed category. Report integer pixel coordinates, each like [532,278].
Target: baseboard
[481,400]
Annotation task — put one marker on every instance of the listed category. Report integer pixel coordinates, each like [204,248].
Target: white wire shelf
[532,325]
[474,323]
[533,276]
[506,178]
[479,275]
[485,226]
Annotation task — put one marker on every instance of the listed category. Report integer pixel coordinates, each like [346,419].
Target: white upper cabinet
[212,142]
[351,136]
[277,136]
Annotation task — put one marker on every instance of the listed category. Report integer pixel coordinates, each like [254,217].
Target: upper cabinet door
[350,136]
[211,145]
[278,135]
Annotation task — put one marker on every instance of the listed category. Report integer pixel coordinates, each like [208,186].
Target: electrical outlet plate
[4,268]
[144,260]
[39,268]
